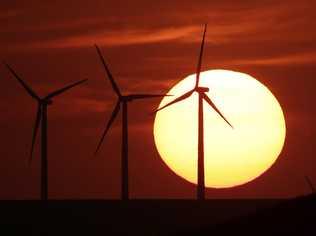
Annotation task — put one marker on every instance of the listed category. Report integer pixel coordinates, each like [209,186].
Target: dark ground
[106,217]
[292,217]
[150,217]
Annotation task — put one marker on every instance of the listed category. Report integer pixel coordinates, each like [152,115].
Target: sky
[149,46]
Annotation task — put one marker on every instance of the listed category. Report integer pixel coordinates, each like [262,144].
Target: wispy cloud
[272,22]
[118,37]
[93,105]
[303,58]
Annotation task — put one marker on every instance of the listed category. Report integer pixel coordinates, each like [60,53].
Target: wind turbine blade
[145,96]
[25,86]
[184,96]
[35,130]
[112,118]
[309,182]
[208,100]
[108,72]
[199,65]
[59,91]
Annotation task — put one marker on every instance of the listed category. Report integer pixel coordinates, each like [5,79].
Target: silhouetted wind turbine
[41,116]
[202,97]
[310,184]
[122,100]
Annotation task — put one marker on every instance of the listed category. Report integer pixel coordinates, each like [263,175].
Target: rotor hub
[47,102]
[127,98]
[202,89]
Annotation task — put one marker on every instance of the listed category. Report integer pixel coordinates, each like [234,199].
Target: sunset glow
[232,156]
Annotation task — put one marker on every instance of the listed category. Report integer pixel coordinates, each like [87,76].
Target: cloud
[228,23]
[303,58]
[271,59]
[93,105]
[217,33]
[118,37]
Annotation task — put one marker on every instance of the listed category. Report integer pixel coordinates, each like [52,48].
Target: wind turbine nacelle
[49,102]
[128,98]
[202,89]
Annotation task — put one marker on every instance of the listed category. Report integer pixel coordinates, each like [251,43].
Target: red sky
[149,46]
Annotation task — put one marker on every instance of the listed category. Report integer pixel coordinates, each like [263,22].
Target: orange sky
[149,46]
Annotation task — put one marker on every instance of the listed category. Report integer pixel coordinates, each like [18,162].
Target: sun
[232,156]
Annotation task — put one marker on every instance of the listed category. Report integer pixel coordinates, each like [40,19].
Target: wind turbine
[202,97]
[310,184]
[122,101]
[41,116]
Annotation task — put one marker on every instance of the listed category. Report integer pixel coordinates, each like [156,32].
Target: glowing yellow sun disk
[232,156]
